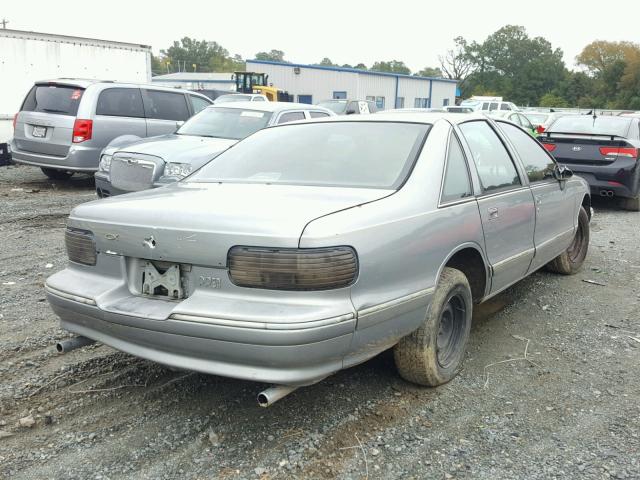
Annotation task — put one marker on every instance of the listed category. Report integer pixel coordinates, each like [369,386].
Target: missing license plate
[39,132]
[164,283]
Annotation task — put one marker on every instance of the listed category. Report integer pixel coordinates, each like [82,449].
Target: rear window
[57,99]
[335,154]
[588,125]
[336,106]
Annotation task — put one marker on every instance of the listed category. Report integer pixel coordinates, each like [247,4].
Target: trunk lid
[45,121]
[198,223]
[586,149]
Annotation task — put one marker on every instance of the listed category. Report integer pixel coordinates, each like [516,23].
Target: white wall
[28,57]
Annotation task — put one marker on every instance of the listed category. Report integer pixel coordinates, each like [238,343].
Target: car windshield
[233,98]
[333,154]
[587,124]
[225,122]
[537,118]
[337,106]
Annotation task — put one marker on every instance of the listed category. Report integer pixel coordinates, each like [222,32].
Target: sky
[346,31]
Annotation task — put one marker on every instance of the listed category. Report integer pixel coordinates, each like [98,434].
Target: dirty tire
[433,354]
[632,204]
[54,174]
[570,261]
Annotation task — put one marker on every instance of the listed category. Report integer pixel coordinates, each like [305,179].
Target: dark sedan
[603,150]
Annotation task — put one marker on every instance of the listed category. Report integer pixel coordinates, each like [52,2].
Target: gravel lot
[570,409]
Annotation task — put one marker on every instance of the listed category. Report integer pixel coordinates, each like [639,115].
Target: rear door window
[120,102]
[493,163]
[165,105]
[56,99]
[290,117]
[537,163]
[505,106]
[198,103]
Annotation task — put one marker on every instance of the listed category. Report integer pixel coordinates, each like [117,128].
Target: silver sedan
[309,248]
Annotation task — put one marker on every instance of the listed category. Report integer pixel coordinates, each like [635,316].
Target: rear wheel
[54,174]
[570,261]
[433,354]
[632,204]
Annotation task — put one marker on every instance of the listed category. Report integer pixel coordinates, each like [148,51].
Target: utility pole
[4,22]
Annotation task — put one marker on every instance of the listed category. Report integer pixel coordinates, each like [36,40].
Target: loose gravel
[550,387]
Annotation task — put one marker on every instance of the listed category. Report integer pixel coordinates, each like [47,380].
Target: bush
[550,100]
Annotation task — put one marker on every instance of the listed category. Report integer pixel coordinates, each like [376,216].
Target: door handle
[493,212]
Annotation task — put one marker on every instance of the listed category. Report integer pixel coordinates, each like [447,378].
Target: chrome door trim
[503,263]
[396,302]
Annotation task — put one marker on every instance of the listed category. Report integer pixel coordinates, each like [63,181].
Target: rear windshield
[58,99]
[587,124]
[224,122]
[337,107]
[537,118]
[335,154]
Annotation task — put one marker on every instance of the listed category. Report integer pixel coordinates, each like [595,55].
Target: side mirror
[561,172]
[351,111]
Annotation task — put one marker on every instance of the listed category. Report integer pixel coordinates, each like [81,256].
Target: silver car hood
[180,148]
[198,223]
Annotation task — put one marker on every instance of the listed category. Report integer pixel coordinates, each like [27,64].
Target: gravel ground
[550,387]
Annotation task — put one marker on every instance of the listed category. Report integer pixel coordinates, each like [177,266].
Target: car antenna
[594,117]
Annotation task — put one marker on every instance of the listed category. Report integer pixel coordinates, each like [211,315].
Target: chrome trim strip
[396,302]
[69,296]
[503,263]
[224,322]
[556,237]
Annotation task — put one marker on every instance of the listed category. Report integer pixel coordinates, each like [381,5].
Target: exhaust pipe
[606,193]
[77,342]
[271,395]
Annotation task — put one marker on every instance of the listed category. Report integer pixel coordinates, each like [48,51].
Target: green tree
[458,63]
[430,72]
[326,62]
[391,66]
[207,56]
[273,56]
[551,100]
[361,66]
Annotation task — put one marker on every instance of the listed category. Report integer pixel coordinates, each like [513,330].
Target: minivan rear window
[52,98]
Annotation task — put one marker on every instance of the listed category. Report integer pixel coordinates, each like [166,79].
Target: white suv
[486,105]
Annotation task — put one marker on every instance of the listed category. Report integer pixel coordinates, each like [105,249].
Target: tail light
[293,268]
[540,129]
[629,152]
[81,246]
[82,130]
[15,120]
[549,147]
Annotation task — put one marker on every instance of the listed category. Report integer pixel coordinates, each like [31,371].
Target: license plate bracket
[39,132]
[167,285]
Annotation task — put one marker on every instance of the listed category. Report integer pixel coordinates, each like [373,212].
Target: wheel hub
[450,331]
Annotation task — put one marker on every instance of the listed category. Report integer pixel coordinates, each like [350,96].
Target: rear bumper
[78,159]
[621,177]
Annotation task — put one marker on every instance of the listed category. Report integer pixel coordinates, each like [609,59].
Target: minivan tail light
[619,152]
[549,147]
[82,130]
[293,268]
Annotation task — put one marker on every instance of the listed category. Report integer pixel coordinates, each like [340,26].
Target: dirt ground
[570,409]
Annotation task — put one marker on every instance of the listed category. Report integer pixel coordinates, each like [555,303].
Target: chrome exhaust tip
[268,397]
[66,346]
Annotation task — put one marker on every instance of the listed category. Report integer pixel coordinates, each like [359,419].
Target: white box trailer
[26,57]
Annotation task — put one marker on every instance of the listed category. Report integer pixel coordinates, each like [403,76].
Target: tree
[600,55]
[272,56]
[326,62]
[551,100]
[391,66]
[360,66]
[430,72]
[458,62]
[205,55]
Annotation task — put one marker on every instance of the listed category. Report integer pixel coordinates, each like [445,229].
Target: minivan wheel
[570,261]
[54,174]
[433,354]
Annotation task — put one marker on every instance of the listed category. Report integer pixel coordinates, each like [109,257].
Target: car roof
[269,106]
[407,117]
[86,82]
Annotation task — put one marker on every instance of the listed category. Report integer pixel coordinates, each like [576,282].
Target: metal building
[315,83]
[197,80]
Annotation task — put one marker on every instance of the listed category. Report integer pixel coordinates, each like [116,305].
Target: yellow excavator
[253,82]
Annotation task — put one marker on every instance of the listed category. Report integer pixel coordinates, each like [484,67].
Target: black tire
[570,261]
[433,354]
[632,204]
[54,174]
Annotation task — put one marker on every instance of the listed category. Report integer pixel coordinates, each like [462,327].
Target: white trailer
[26,57]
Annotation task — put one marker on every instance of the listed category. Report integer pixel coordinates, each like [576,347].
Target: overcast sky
[346,31]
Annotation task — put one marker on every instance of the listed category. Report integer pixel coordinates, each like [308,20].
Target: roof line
[70,38]
[351,70]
